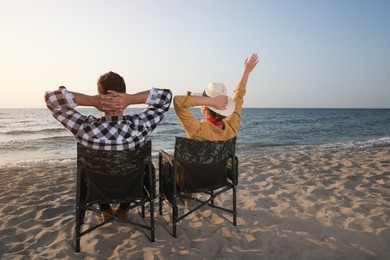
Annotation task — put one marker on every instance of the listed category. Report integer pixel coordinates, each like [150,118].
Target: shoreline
[69,157]
[300,204]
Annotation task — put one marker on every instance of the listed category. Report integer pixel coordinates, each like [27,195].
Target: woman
[222,114]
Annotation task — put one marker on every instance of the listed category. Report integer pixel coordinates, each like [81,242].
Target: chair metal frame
[84,155]
[186,150]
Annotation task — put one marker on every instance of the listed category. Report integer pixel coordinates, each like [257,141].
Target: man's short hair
[111,81]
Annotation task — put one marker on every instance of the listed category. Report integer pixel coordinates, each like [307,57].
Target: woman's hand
[219,102]
[251,63]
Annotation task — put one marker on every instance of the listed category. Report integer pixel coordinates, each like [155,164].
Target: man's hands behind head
[112,103]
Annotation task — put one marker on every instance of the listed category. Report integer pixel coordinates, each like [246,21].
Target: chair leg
[77,244]
[234,207]
[151,220]
[78,229]
[160,202]
[80,213]
[174,219]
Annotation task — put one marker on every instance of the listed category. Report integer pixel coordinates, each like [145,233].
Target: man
[113,131]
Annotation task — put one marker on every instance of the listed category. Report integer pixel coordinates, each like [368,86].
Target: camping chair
[207,167]
[113,177]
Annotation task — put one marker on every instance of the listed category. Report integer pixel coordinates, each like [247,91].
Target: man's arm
[104,103]
[158,101]
[138,98]
[62,105]
[86,100]
[113,101]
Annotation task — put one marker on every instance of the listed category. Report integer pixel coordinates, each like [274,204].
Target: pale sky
[329,53]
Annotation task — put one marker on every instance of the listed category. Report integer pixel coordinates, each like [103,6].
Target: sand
[291,205]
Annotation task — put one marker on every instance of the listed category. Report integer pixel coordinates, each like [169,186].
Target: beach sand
[291,205]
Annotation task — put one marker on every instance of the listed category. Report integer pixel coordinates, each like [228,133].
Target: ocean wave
[39,163]
[378,142]
[41,144]
[25,132]
[290,146]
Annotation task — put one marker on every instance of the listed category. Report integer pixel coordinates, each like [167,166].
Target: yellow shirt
[203,130]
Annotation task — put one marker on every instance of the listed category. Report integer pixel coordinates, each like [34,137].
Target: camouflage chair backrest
[203,152]
[203,163]
[113,175]
[113,162]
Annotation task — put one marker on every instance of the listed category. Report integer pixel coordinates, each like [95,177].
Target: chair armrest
[165,158]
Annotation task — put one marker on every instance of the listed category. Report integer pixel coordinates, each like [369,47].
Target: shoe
[120,212]
[186,201]
[103,217]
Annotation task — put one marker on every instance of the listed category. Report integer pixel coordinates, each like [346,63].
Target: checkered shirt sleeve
[109,133]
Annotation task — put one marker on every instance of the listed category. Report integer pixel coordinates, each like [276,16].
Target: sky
[313,54]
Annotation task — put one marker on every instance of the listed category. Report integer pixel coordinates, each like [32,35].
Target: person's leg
[229,170]
[186,198]
[122,209]
[107,208]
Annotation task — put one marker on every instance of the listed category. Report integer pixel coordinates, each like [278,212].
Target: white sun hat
[219,89]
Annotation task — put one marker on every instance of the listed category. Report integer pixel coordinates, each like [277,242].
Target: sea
[33,137]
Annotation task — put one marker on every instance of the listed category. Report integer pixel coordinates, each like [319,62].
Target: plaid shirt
[114,133]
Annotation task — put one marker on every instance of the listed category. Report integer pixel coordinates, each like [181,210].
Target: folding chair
[113,177]
[207,167]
